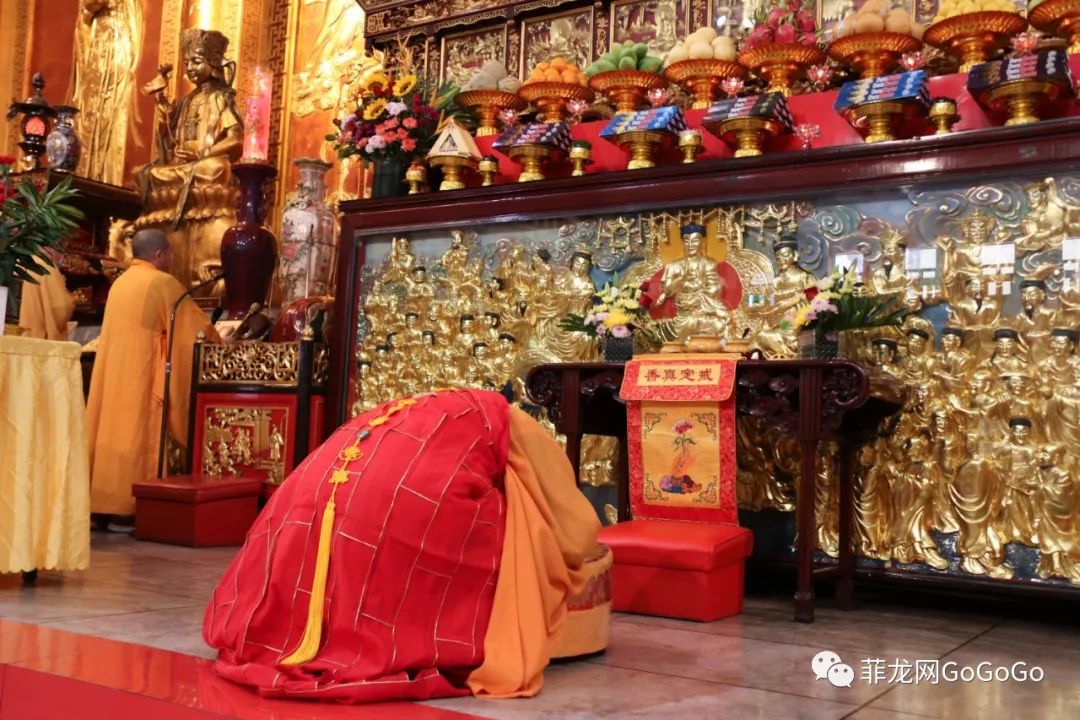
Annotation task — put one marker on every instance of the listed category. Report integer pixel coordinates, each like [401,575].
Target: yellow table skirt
[44,462]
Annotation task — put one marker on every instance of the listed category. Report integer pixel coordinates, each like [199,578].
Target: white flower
[396,108]
[825,283]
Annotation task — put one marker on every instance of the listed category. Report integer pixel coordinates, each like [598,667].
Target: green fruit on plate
[650,64]
[611,57]
[600,66]
[641,49]
[628,63]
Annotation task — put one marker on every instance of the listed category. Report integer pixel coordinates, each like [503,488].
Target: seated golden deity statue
[953,364]
[186,189]
[1048,218]
[455,259]
[694,284]
[788,292]
[1006,359]
[962,258]
[918,362]
[891,278]
[418,292]
[885,351]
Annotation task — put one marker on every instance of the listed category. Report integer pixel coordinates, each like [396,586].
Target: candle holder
[643,145]
[627,89]
[454,168]
[973,37]
[806,132]
[489,170]
[748,134]
[703,78]
[580,156]
[781,64]
[692,144]
[532,159]
[1060,18]
[248,249]
[1021,99]
[416,176]
[486,105]
[943,114]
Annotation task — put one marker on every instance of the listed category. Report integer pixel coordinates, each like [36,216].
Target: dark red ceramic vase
[249,250]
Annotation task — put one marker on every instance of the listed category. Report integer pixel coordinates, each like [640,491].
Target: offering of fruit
[702,44]
[785,22]
[626,56]
[879,16]
[492,76]
[559,70]
[952,8]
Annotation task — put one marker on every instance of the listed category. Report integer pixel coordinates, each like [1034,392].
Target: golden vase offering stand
[872,54]
[747,134]
[532,159]
[627,89]
[580,156]
[943,114]
[551,98]
[974,37]
[1021,99]
[781,64]
[702,78]
[486,106]
[881,118]
[454,167]
[1060,18]
[643,145]
[416,176]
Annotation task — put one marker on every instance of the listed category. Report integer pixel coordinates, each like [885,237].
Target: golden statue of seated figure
[693,283]
[187,190]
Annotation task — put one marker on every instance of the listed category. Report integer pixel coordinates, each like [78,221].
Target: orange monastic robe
[458,538]
[123,415]
[46,308]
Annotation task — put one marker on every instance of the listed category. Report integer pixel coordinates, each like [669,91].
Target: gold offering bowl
[702,78]
[974,37]
[874,53]
[531,158]
[626,89]
[1021,99]
[780,63]
[882,118]
[486,106]
[551,98]
[1060,18]
[943,114]
[454,167]
[747,134]
[643,145]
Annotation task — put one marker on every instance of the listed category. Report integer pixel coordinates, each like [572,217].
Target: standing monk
[126,391]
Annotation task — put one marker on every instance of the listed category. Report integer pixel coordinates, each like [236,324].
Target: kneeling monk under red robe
[426,550]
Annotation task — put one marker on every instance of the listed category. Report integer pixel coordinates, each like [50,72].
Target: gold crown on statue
[978,221]
[211,44]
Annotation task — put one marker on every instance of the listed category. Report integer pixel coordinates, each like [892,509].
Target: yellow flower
[629,304]
[616,317]
[405,85]
[374,109]
[379,78]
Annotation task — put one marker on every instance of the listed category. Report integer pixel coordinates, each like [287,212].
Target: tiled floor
[756,665]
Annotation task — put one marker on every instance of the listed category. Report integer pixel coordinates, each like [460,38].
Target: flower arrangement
[784,21]
[33,224]
[615,312]
[397,116]
[834,304]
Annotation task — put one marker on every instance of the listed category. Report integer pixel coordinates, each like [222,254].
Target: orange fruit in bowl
[552,75]
[559,63]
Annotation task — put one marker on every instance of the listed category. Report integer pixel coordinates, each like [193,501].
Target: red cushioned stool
[196,510]
[692,571]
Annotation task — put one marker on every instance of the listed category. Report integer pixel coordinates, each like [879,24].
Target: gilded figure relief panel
[657,23]
[569,35]
[464,54]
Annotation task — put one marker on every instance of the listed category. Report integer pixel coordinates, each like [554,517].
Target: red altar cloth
[816,108]
[414,560]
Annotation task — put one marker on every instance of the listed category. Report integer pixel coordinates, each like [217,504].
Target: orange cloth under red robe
[456,544]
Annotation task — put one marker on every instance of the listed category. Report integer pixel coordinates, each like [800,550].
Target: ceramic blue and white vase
[63,147]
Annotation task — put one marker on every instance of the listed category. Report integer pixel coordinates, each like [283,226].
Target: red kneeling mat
[692,571]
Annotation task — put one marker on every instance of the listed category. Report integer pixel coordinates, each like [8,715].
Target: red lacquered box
[196,510]
[686,570]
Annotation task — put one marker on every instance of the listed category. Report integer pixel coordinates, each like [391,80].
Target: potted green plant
[33,222]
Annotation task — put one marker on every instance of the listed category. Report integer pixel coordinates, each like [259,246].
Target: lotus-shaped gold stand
[486,106]
[1021,99]
[780,63]
[747,134]
[881,118]
[454,167]
[531,158]
[943,114]
[702,78]
[1060,18]
[872,54]
[626,89]
[550,98]
[974,37]
[643,145]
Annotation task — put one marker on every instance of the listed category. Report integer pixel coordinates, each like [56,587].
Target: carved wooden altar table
[811,400]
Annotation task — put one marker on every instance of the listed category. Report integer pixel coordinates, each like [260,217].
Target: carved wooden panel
[463,54]
[657,23]
[566,34]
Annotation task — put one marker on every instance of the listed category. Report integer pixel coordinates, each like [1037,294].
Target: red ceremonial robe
[415,552]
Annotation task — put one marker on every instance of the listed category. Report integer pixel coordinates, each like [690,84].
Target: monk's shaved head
[152,246]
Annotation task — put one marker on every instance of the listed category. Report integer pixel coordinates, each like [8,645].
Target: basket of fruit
[488,93]
[625,74]
[700,64]
[974,30]
[872,39]
[782,44]
[552,85]
[1060,18]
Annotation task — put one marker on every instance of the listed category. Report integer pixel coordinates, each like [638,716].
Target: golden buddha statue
[1059,368]
[491,327]
[411,334]
[962,258]
[694,284]
[952,366]
[1048,218]
[977,313]
[788,292]
[871,526]
[913,304]
[573,294]
[918,362]
[947,449]
[1006,359]
[466,335]
[911,507]
[891,278]
[1057,520]
[454,260]
[187,189]
[885,351]
[1018,398]
[1035,319]
[399,263]
[980,407]
[418,292]
[428,357]
[975,493]
[1021,483]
